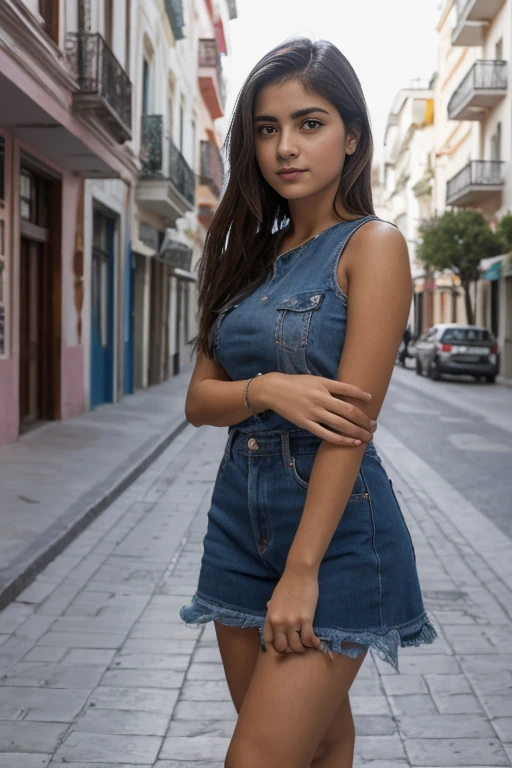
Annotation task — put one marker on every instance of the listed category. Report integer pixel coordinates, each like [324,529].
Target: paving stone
[98,656]
[95,747]
[423,665]
[438,726]
[55,705]
[418,705]
[144,699]
[369,705]
[455,752]
[379,748]
[188,764]
[148,678]
[196,748]
[50,675]
[204,710]
[206,672]
[209,728]
[121,721]
[169,660]
[164,631]
[375,725]
[210,690]
[27,736]
[503,726]
[46,653]
[402,685]
[83,639]
[23,760]
[158,646]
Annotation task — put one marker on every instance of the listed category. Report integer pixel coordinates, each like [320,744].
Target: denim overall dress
[369,593]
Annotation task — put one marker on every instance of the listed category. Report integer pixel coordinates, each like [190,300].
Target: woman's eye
[315,123]
[262,128]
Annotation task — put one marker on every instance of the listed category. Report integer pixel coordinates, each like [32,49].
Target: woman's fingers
[342,389]
[329,435]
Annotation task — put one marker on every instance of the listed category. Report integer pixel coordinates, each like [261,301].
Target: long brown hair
[238,253]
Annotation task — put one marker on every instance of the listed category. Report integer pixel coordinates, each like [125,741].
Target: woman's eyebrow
[294,115]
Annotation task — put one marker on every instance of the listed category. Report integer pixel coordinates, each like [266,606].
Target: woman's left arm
[380,288]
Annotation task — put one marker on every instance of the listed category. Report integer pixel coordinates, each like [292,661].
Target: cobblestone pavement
[96,666]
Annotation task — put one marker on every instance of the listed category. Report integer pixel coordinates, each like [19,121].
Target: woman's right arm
[308,401]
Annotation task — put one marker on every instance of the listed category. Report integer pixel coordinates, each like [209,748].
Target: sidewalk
[57,478]
[96,666]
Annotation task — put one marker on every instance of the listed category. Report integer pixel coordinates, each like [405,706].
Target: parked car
[458,350]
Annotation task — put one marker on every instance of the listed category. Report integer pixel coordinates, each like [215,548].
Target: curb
[62,532]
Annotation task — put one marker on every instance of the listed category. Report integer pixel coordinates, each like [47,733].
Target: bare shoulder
[377,250]
[377,241]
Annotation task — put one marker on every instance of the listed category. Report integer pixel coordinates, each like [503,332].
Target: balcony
[473,18]
[105,88]
[476,183]
[210,77]
[212,171]
[174,11]
[167,183]
[484,86]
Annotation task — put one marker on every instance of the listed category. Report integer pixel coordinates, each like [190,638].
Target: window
[182,111]
[27,196]
[3,298]
[466,334]
[127,46]
[108,26]
[499,50]
[145,87]
[49,10]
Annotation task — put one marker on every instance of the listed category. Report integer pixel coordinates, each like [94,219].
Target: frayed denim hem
[383,644]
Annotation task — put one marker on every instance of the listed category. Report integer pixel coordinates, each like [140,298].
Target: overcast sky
[388,42]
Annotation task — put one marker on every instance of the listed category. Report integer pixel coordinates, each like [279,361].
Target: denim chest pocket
[293,330]
[215,335]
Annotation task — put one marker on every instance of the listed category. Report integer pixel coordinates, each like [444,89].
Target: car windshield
[466,335]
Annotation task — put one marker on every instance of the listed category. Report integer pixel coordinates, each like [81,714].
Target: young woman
[307,560]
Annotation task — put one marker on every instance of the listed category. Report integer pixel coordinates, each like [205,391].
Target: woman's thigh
[289,704]
[239,649]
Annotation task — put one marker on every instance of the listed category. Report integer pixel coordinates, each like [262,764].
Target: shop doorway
[40,297]
[102,309]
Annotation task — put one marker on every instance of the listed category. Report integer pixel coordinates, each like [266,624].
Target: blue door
[102,310]
[129,321]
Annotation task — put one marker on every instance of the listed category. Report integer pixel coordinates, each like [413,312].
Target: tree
[504,232]
[457,241]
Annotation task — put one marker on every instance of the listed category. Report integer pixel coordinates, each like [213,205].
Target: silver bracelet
[245,396]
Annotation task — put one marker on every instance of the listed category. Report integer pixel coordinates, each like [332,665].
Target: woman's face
[298,129]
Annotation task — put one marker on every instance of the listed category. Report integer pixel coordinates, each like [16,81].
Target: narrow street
[98,669]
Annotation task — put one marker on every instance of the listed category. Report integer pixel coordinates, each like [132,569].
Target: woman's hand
[311,402]
[291,608]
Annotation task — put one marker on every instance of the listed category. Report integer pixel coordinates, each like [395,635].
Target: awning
[490,269]
[182,274]
[175,252]
[142,249]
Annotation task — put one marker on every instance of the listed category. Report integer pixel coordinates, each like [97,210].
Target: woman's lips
[291,175]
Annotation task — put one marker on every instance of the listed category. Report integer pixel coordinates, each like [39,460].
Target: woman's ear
[353,136]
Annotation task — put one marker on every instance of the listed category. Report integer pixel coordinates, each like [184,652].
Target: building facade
[109,173]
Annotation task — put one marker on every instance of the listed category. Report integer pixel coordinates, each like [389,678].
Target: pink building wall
[72,396]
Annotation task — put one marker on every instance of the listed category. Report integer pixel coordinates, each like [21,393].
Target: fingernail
[357,442]
[373,423]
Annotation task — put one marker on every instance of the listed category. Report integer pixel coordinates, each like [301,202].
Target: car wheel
[419,369]
[433,372]
[490,379]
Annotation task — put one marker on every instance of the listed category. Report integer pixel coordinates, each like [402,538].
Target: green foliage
[504,232]
[457,241]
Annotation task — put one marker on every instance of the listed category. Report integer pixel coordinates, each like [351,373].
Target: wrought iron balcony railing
[105,88]
[483,75]
[161,158]
[174,10]
[212,170]
[479,173]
